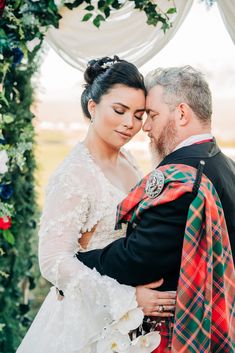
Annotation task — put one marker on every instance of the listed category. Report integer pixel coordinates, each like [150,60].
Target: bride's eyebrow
[123,105]
[126,107]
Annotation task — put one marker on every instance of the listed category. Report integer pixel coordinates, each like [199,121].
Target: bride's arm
[64,219]
[63,222]
[64,215]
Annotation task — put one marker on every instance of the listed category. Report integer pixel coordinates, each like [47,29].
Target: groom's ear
[185,114]
[91,105]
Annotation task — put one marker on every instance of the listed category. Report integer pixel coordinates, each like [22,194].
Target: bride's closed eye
[120,112]
[139,117]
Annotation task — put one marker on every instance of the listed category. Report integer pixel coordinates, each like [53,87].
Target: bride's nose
[128,121]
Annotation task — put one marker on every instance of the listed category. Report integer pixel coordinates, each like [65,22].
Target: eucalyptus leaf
[87,17]
[90,8]
[107,12]
[97,20]
[171,10]
[101,4]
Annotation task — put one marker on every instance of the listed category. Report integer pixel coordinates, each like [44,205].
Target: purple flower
[6,191]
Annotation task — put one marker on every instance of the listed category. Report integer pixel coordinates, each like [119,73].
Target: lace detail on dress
[78,198]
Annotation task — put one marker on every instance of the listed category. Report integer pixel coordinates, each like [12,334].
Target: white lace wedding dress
[96,312]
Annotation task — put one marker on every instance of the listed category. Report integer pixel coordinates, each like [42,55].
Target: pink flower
[2,5]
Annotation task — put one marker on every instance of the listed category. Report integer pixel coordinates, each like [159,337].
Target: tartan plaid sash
[205,304]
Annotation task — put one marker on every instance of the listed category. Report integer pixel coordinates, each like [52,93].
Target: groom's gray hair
[183,85]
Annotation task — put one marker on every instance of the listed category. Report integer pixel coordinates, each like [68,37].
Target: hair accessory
[108,64]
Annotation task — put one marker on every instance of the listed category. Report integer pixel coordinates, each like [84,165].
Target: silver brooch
[155,184]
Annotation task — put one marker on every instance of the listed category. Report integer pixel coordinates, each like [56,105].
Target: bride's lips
[125,135]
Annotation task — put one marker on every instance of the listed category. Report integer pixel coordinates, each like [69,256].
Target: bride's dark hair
[102,74]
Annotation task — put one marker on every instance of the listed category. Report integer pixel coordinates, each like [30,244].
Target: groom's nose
[146,126]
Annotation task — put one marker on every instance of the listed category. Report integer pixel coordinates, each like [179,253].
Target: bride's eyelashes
[119,112]
[139,117]
[123,112]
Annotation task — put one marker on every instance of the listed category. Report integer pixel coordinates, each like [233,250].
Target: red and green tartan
[205,304]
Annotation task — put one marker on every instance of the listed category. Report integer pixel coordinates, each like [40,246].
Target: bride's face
[118,116]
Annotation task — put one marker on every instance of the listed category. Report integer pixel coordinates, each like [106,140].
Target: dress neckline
[99,169]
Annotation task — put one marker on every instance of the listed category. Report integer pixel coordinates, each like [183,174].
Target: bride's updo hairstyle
[102,74]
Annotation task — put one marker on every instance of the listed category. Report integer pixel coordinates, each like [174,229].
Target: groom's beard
[164,144]
[155,156]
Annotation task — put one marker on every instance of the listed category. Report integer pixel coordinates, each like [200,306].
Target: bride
[84,311]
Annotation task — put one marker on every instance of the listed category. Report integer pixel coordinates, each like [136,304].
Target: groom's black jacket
[152,250]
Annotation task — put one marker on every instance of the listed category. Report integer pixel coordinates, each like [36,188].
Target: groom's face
[160,123]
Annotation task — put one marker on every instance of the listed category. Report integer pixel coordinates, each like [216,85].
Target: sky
[202,41]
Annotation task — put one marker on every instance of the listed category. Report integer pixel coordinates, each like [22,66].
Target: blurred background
[202,41]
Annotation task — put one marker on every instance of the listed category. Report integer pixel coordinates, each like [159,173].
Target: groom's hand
[151,301]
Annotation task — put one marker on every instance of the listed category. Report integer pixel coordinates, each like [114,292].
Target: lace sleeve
[69,212]
[62,222]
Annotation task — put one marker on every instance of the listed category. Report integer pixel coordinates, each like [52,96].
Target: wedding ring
[160,308]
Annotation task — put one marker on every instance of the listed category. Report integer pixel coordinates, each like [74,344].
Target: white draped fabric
[227,11]
[124,33]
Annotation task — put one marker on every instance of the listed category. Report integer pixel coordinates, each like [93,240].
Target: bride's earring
[92,119]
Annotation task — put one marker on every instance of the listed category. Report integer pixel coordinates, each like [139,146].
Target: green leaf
[74,4]
[97,20]
[116,4]
[101,4]
[109,2]
[87,17]
[2,34]
[165,27]
[171,10]
[3,99]
[8,119]
[8,236]
[90,8]
[100,18]
[2,327]
[107,11]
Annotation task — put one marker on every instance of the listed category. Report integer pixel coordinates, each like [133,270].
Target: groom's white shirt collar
[193,139]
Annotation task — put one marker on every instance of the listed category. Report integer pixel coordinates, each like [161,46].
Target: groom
[176,228]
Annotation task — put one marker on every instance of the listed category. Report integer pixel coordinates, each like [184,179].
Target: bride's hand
[150,301]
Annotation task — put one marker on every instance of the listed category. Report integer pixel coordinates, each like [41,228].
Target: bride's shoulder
[74,169]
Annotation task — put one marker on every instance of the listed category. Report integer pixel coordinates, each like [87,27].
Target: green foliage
[21,36]
[101,10]
[17,257]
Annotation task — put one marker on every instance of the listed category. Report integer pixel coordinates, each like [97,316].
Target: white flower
[3,160]
[113,343]
[146,343]
[33,43]
[130,321]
